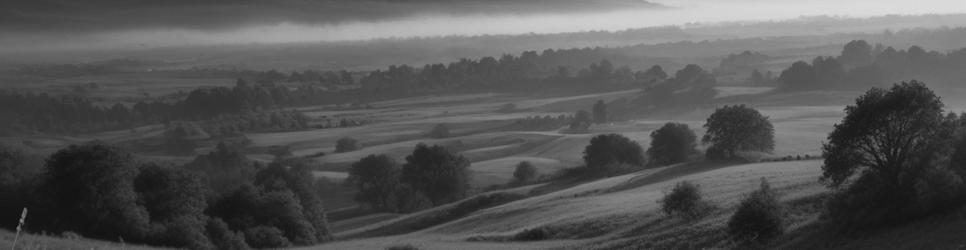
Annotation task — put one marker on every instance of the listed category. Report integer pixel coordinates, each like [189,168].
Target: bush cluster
[219,201]
[431,176]
[759,217]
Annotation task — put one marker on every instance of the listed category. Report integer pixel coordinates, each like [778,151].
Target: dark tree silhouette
[885,157]
[732,129]
[89,189]
[651,76]
[581,121]
[672,143]
[438,173]
[600,112]
[289,195]
[11,160]
[608,149]
[829,73]
[684,200]
[14,177]
[887,133]
[440,131]
[856,53]
[759,217]
[225,168]
[376,177]
[524,173]
[346,144]
[176,200]
[800,76]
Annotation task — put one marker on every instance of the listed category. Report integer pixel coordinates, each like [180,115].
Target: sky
[44,24]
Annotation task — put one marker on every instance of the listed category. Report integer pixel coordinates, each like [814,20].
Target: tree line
[220,200]
[861,65]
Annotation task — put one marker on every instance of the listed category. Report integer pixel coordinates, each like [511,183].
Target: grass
[942,231]
[36,241]
[438,215]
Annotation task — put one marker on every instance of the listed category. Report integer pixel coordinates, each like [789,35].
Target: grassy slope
[608,206]
[33,241]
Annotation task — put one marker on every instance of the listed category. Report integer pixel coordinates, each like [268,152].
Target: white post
[23,216]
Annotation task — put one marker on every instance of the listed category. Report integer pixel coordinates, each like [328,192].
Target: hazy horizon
[454,17]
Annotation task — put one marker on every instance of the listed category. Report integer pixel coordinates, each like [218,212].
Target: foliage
[885,157]
[823,73]
[438,173]
[609,149]
[406,199]
[225,168]
[856,53]
[600,112]
[672,143]
[266,237]
[731,129]
[745,61]
[544,123]
[507,108]
[11,160]
[860,65]
[524,173]
[346,144]
[691,85]
[289,185]
[222,237]
[402,247]
[89,189]
[440,131]
[376,177]
[581,121]
[533,234]
[684,200]
[759,217]
[175,200]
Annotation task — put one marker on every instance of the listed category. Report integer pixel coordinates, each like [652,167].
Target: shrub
[224,238]
[266,237]
[533,234]
[402,247]
[581,122]
[684,200]
[524,173]
[672,143]
[346,144]
[612,148]
[280,152]
[758,218]
[440,131]
[600,112]
[405,199]
[507,108]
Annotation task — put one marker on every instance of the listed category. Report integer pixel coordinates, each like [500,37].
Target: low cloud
[209,15]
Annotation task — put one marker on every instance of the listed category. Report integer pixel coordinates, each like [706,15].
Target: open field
[631,197]
[628,201]
[38,242]
[609,213]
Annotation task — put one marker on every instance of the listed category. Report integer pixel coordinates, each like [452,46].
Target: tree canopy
[608,149]
[376,177]
[672,143]
[732,129]
[887,157]
[438,173]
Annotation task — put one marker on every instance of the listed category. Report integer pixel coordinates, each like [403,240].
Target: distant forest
[860,65]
